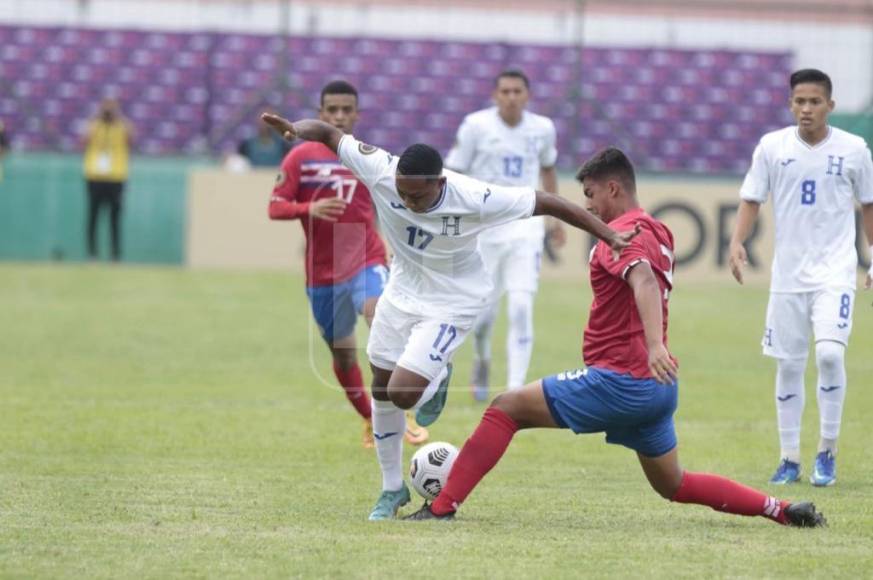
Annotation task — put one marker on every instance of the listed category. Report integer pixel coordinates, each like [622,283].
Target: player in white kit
[431,219]
[815,173]
[508,145]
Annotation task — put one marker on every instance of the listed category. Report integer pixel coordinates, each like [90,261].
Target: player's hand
[738,260]
[328,209]
[661,364]
[556,233]
[621,240]
[281,125]
[868,283]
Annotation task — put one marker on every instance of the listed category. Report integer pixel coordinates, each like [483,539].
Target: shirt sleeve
[756,185]
[460,157]
[367,162]
[629,257]
[549,154]
[283,201]
[502,204]
[863,183]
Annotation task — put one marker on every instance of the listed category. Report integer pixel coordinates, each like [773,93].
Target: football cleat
[804,515]
[825,472]
[388,503]
[787,472]
[424,513]
[367,438]
[415,433]
[430,411]
[479,380]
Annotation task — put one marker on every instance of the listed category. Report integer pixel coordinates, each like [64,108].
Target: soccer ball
[430,467]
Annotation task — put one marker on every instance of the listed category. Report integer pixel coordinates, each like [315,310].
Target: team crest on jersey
[366,149]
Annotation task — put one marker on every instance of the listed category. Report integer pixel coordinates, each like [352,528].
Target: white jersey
[814,190]
[437,267]
[488,149]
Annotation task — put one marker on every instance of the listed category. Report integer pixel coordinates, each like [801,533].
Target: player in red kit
[345,257]
[629,388]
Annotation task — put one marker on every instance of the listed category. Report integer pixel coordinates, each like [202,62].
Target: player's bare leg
[415,434]
[345,366]
[369,310]
[721,494]
[405,389]
[524,408]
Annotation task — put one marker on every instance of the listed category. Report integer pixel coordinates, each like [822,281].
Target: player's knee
[829,355]
[379,393]
[345,358]
[508,402]
[403,398]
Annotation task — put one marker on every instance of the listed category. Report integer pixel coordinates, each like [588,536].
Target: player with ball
[629,388]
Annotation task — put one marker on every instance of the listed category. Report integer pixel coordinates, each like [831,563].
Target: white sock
[389,426]
[831,392]
[519,340]
[431,389]
[790,399]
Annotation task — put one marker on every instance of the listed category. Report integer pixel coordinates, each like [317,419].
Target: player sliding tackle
[432,219]
[629,388]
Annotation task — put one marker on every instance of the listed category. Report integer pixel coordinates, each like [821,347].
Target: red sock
[353,384]
[481,452]
[725,495]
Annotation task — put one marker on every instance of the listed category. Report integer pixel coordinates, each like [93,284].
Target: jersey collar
[817,145]
[440,199]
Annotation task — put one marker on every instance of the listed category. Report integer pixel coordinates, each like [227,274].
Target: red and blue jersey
[614,338]
[335,251]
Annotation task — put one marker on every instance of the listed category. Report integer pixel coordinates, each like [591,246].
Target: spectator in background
[266,149]
[107,150]
[4,147]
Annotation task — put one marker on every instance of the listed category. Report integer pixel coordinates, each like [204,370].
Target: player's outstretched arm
[579,217]
[307,129]
[746,217]
[647,295]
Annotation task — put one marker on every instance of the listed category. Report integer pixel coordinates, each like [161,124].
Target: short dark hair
[512,73]
[420,160]
[338,87]
[812,75]
[609,162]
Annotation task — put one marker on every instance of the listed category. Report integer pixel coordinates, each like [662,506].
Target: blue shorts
[336,307]
[636,413]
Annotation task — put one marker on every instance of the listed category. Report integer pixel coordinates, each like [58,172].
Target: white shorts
[421,343]
[514,266]
[790,317]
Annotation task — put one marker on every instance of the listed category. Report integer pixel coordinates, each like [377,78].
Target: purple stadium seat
[685,110]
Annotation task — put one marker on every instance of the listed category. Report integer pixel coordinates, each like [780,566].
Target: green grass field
[165,423]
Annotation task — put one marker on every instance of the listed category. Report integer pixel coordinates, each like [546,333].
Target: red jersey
[335,251]
[614,338]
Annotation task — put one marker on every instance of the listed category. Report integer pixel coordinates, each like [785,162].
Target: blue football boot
[787,472]
[825,472]
[388,503]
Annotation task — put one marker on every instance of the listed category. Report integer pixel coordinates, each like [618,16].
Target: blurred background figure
[107,150]
[265,149]
[4,147]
